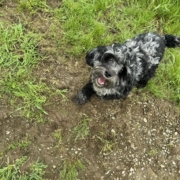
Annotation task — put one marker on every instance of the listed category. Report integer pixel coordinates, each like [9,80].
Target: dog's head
[110,71]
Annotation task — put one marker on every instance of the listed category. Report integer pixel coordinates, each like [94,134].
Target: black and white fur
[117,68]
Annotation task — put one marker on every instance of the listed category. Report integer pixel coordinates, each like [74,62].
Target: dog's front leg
[85,94]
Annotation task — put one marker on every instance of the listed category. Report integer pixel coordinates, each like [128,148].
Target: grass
[153,152]
[58,135]
[22,144]
[166,84]
[32,6]
[80,25]
[13,171]
[108,144]
[70,169]
[82,129]
[19,57]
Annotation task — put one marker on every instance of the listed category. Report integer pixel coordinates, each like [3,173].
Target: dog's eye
[108,58]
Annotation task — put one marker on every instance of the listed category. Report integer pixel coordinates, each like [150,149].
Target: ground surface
[137,138]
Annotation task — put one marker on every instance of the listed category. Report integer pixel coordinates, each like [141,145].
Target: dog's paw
[80,99]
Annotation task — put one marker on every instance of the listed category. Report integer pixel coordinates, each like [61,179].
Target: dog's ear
[95,54]
[90,56]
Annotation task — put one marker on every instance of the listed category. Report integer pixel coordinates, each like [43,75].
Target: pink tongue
[101,80]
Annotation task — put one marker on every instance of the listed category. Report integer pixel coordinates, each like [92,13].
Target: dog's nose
[107,74]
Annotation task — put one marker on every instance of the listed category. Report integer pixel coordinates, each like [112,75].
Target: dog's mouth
[101,80]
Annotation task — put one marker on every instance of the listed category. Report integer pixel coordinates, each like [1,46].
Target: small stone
[145,120]
[8,132]
[113,118]
[76,64]
[113,131]
[131,169]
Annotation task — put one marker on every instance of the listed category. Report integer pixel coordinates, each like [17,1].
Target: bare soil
[137,138]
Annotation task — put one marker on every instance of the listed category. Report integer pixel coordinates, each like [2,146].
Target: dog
[118,68]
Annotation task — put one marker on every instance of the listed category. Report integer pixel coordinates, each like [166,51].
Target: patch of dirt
[137,138]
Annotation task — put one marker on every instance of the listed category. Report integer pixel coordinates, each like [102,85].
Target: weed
[37,170]
[23,144]
[61,93]
[13,172]
[32,5]
[82,129]
[70,169]
[58,135]
[153,152]
[107,144]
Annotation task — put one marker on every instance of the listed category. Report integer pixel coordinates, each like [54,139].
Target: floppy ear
[90,56]
[95,54]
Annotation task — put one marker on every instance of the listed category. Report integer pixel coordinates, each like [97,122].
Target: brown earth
[137,138]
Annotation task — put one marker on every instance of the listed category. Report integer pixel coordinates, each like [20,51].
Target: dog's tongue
[101,80]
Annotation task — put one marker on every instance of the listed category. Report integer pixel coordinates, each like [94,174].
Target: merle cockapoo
[120,67]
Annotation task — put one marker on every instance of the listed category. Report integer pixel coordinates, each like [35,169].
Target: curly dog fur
[118,68]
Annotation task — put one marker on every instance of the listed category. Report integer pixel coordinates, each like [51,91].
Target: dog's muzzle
[101,77]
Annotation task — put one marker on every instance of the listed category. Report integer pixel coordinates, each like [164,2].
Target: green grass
[81,25]
[70,169]
[166,84]
[32,6]
[58,136]
[22,144]
[107,143]
[18,59]
[82,129]
[153,152]
[13,171]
